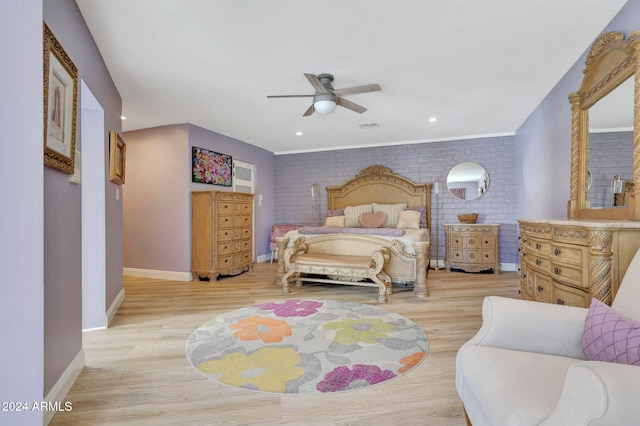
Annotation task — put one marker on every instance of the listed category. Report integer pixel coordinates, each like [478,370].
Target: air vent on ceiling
[369,126]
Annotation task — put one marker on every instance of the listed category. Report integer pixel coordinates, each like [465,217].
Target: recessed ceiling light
[433,119]
[299,133]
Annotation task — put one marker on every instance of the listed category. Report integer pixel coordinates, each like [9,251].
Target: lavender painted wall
[419,162]
[22,212]
[156,214]
[543,142]
[62,224]
[159,180]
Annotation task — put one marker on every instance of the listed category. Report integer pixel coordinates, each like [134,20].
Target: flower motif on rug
[344,378]
[268,369]
[351,331]
[292,308]
[307,346]
[260,328]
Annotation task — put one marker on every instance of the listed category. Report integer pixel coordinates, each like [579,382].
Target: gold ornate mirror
[610,62]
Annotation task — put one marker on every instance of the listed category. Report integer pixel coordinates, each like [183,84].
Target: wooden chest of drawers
[472,247]
[569,262]
[221,233]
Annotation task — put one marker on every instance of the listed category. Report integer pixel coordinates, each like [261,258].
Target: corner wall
[157,226]
[22,214]
[62,203]
[543,142]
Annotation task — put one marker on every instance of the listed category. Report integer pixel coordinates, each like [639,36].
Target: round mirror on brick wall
[468,181]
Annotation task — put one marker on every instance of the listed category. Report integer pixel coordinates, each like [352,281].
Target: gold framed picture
[60,105]
[117,157]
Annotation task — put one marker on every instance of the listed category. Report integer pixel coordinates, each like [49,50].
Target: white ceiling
[480,67]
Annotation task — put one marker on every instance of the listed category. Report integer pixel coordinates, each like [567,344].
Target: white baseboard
[111,312]
[160,275]
[509,267]
[263,258]
[59,391]
[433,263]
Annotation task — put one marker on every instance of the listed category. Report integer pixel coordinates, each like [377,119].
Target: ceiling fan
[326,97]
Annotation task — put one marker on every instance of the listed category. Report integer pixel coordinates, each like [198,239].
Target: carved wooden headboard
[378,184]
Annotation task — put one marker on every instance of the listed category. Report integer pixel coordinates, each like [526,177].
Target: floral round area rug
[307,346]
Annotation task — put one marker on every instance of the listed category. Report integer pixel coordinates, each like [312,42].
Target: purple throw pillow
[423,215]
[334,213]
[609,336]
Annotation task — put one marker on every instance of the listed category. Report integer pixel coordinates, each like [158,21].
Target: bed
[379,187]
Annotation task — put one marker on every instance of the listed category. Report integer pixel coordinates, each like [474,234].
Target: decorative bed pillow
[337,212]
[423,215]
[609,336]
[352,213]
[391,211]
[372,220]
[334,221]
[409,219]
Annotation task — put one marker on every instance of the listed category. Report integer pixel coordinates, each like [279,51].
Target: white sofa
[526,366]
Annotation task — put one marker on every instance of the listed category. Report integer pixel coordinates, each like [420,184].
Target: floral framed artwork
[117,157]
[211,167]
[60,105]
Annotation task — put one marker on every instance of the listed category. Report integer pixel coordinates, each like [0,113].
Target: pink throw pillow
[372,220]
[609,336]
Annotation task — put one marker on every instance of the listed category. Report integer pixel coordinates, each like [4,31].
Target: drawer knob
[559,301]
[557,270]
[557,252]
[540,288]
[538,262]
[538,246]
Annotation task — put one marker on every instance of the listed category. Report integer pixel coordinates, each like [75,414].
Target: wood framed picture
[211,167]
[117,157]
[60,105]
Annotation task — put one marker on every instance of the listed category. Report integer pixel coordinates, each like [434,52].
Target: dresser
[568,262]
[472,247]
[221,233]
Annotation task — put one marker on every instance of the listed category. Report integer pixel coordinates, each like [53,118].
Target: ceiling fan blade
[290,96]
[310,111]
[350,105]
[316,83]
[358,89]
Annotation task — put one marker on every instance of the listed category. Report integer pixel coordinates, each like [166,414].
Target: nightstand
[472,247]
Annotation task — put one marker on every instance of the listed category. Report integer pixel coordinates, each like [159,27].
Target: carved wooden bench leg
[282,246]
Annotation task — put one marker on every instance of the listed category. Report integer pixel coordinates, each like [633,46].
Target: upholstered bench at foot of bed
[347,267]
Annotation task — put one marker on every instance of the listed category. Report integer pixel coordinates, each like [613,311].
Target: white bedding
[410,235]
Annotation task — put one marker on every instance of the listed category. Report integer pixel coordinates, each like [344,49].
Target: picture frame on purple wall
[211,167]
[60,104]
[117,158]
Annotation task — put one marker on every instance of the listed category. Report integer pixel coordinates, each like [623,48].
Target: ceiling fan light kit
[326,98]
[325,103]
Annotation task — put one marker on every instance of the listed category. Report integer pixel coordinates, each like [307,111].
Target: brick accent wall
[295,173]
[605,162]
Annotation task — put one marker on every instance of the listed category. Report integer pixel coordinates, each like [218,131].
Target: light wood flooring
[137,374]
